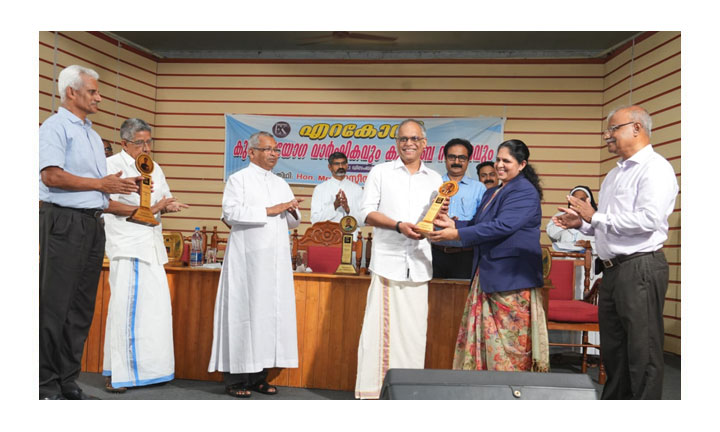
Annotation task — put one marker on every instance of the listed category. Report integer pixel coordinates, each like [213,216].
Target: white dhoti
[138,334]
[393,334]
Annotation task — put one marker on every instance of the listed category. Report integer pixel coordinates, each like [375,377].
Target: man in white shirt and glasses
[397,195]
[138,347]
[630,227]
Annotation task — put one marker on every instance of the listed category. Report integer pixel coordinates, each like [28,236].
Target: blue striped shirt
[69,143]
[467,199]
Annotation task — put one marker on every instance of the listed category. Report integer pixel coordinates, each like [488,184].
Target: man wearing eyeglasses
[630,227]
[254,327]
[449,259]
[138,347]
[73,190]
[396,196]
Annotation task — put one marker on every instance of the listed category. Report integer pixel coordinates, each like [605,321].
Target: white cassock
[138,347]
[254,325]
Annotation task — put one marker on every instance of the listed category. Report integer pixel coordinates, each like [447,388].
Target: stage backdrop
[306,143]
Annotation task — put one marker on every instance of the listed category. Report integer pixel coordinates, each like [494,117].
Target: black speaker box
[444,384]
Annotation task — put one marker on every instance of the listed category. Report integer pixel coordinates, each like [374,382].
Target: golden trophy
[447,189]
[143,215]
[348,224]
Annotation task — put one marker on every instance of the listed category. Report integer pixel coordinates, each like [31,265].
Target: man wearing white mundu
[396,196]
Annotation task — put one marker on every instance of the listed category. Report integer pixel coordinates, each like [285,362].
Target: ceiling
[375,45]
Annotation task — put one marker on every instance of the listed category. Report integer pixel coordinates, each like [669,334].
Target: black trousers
[456,265]
[630,310]
[72,246]
[245,379]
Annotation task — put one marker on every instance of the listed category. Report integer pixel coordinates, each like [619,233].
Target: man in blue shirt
[74,188]
[449,259]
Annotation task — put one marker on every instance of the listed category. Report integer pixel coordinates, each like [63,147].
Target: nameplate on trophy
[143,215]
[348,224]
[447,189]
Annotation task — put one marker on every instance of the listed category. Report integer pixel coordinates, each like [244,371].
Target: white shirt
[391,190]
[322,207]
[128,239]
[636,199]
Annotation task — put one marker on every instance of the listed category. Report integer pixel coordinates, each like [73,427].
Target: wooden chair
[563,311]
[322,244]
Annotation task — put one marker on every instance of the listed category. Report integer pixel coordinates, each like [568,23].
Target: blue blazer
[506,238]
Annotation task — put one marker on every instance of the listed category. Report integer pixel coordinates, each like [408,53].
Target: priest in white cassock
[138,346]
[397,195]
[337,197]
[254,326]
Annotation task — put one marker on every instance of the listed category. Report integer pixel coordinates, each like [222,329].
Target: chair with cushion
[564,312]
[322,243]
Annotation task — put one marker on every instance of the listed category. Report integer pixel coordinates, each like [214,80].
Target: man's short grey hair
[417,122]
[255,138]
[637,114]
[132,126]
[71,76]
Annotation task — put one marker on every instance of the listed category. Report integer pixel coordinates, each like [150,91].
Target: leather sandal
[109,387]
[264,388]
[238,391]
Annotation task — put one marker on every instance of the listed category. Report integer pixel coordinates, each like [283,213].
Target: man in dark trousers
[450,260]
[630,227]
[73,189]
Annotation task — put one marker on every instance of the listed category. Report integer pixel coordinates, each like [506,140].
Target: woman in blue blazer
[503,326]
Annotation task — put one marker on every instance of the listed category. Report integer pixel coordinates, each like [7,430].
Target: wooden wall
[648,74]
[556,106]
[127,79]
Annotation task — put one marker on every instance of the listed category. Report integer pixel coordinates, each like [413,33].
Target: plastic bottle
[196,255]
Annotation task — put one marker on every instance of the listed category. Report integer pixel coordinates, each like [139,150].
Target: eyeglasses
[412,139]
[453,158]
[141,142]
[611,130]
[275,150]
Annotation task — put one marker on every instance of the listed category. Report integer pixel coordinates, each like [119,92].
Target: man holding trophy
[138,333]
[396,197]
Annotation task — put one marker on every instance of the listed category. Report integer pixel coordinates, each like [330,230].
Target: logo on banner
[281,129]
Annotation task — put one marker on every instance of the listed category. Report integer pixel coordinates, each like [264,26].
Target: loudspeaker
[434,384]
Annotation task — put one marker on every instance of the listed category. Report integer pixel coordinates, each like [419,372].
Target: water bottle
[196,255]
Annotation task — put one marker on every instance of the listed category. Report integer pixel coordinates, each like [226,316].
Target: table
[330,312]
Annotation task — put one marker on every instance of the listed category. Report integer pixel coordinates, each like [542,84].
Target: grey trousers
[630,304]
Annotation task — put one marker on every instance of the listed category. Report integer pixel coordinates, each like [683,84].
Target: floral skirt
[503,331]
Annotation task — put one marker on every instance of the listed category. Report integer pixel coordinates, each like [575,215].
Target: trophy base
[143,216]
[346,269]
[425,226]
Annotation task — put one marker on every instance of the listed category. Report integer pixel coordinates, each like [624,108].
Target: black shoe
[54,397]
[79,395]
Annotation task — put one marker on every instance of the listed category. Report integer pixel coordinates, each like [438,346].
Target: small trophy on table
[348,224]
[447,189]
[143,215]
